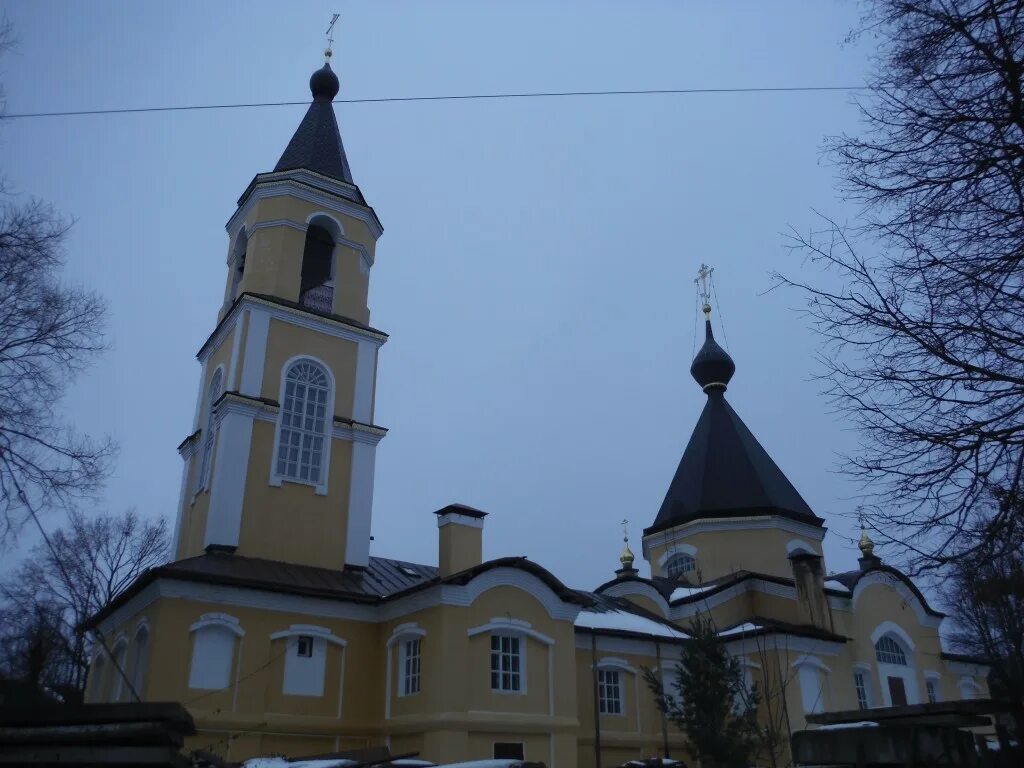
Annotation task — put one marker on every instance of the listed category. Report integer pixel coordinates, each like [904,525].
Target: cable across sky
[457,97]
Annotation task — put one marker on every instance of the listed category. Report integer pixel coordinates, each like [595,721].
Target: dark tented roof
[725,472]
[316,145]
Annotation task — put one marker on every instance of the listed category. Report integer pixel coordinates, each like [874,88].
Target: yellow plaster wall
[460,547]
[291,522]
[285,341]
[720,553]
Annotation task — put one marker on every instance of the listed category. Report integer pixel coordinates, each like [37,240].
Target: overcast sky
[536,269]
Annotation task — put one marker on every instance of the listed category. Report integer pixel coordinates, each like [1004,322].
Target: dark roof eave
[259,178]
[629,635]
[744,512]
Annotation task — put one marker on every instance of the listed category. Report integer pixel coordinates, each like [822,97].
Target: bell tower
[280,460]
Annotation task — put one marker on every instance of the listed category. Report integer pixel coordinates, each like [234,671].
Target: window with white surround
[506,663]
[679,564]
[213,651]
[120,669]
[410,661]
[811,674]
[969,688]
[98,678]
[305,658]
[609,691]
[888,651]
[213,394]
[140,651]
[303,424]
[931,687]
[861,685]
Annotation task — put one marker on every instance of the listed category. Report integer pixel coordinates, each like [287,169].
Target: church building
[281,633]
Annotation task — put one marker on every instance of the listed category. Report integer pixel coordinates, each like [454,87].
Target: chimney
[809,575]
[460,538]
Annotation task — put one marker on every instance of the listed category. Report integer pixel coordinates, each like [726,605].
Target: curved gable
[630,588]
[902,586]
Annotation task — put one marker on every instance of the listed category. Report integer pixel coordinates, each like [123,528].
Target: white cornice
[258,410]
[293,184]
[628,588]
[293,316]
[780,641]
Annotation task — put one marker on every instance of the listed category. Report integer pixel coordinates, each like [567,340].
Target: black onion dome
[324,84]
[712,367]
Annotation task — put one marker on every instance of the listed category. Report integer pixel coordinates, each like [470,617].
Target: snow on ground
[626,622]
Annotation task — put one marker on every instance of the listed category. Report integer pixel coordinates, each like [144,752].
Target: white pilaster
[360,504]
[366,372]
[255,353]
[227,490]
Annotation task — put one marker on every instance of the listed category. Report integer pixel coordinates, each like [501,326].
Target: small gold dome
[867,546]
[626,558]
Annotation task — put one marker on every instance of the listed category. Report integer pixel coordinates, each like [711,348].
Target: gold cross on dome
[330,35]
[625,530]
[703,282]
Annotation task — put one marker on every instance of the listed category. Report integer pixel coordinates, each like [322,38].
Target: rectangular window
[411,667]
[862,690]
[509,750]
[609,692]
[932,688]
[304,646]
[505,663]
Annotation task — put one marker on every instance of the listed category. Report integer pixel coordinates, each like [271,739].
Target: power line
[463,97]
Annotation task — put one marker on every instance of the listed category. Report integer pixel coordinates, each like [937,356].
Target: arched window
[120,652]
[238,264]
[98,678]
[304,421]
[139,658]
[216,385]
[888,651]
[316,288]
[679,564]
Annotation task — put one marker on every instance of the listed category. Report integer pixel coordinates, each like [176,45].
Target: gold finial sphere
[328,53]
[626,558]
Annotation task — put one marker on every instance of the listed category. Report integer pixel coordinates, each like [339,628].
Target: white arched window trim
[307,676]
[812,676]
[523,629]
[213,392]
[401,633]
[276,479]
[864,669]
[119,652]
[140,654]
[969,688]
[218,620]
[621,665]
[675,549]
[894,629]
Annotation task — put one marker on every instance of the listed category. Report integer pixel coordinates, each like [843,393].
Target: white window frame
[518,656]
[805,666]
[222,622]
[687,558]
[119,667]
[277,479]
[906,672]
[399,634]
[297,668]
[609,680]
[213,392]
[864,670]
[932,691]
[895,656]
[410,666]
[140,655]
[508,626]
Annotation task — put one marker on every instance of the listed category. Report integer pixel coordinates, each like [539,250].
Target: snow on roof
[744,627]
[837,585]
[627,622]
[681,592]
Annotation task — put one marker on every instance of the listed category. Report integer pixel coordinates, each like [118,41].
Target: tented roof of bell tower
[316,145]
[724,471]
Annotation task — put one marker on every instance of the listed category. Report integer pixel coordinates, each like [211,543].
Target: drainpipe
[597,707]
[664,720]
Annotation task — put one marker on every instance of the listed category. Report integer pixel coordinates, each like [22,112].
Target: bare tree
[49,331]
[53,591]
[985,595]
[923,314]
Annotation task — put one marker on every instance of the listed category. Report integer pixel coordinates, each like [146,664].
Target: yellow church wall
[291,522]
[193,519]
[640,721]
[274,258]
[779,608]
[285,341]
[646,603]
[720,553]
